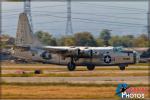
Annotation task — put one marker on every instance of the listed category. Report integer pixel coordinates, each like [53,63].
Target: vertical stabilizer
[24,35]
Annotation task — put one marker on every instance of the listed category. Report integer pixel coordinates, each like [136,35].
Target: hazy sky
[120,17]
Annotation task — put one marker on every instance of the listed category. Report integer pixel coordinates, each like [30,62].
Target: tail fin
[24,35]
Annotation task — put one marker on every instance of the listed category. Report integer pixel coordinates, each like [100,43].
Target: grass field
[78,68]
[56,92]
[111,74]
[58,71]
[60,90]
[67,90]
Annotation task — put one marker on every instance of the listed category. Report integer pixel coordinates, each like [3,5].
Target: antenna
[69,22]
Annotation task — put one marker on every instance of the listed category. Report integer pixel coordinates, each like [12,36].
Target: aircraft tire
[91,67]
[71,66]
[122,66]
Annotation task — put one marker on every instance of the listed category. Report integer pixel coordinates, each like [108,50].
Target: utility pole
[27,10]
[69,30]
[148,21]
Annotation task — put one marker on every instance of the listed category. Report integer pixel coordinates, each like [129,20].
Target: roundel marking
[107,59]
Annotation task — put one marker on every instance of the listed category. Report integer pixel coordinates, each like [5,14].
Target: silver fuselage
[100,56]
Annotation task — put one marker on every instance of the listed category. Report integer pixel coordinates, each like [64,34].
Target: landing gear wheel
[90,66]
[122,67]
[71,66]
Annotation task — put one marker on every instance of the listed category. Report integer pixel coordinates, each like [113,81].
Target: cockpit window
[118,49]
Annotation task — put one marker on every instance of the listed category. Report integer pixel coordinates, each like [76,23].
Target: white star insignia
[107,59]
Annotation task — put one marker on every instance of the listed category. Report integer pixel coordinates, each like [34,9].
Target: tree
[46,38]
[84,39]
[67,41]
[115,41]
[99,42]
[146,54]
[141,41]
[125,41]
[53,42]
[106,36]
[6,40]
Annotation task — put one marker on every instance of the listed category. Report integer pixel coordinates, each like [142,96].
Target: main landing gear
[90,66]
[71,65]
[123,66]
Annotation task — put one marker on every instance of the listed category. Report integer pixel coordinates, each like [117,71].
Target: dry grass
[55,65]
[78,68]
[79,74]
[92,74]
[57,92]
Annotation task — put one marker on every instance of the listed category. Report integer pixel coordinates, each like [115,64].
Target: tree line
[105,38]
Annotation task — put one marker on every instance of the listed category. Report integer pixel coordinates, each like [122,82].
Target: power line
[95,14]
[13,25]
[84,19]
[86,13]
[10,10]
[69,30]
[95,5]
[131,24]
[27,10]
[108,24]
[39,23]
[115,7]
[103,21]
[108,16]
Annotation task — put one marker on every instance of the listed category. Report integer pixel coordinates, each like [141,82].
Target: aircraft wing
[77,52]
[55,49]
[65,51]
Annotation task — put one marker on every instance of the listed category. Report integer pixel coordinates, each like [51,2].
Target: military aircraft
[29,48]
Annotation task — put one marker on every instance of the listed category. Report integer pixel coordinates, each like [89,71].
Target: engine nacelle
[73,52]
[46,55]
[86,53]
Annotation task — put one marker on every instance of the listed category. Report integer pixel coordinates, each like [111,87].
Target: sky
[122,18]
